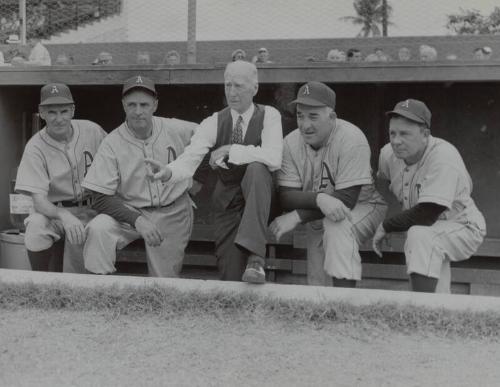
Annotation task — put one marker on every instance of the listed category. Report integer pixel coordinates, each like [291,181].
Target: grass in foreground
[170,303]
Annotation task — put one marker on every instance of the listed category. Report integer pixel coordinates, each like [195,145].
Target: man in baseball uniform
[428,177]
[54,163]
[245,140]
[130,203]
[326,182]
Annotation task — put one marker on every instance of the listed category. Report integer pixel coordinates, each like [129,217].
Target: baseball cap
[55,94]
[138,81]
[413,110]
[315,94]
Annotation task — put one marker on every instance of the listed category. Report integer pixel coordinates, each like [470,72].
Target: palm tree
[371,14]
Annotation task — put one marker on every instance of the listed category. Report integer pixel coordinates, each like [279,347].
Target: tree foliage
[472,22]
[371,15]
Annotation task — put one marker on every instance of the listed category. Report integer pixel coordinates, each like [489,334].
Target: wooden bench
[286,262]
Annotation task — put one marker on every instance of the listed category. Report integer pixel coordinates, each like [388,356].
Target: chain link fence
[155,32]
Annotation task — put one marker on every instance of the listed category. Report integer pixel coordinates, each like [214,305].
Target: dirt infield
[63,348]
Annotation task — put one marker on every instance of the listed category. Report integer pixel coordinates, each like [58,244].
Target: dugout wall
[463,97]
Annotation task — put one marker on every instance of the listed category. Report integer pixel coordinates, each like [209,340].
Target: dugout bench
[286,262]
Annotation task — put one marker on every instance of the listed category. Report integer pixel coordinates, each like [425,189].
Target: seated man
[429,179]
[246,142]
[54,163]
[131,205]
[326,181]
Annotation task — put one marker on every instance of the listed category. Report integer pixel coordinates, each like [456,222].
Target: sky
[283,19]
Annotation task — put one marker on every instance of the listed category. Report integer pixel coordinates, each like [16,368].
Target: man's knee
[258,171]
[418,234]
[36,238]
[100,225]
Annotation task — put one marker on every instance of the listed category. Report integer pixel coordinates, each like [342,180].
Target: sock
[39,260]
[343,283]
[423,283]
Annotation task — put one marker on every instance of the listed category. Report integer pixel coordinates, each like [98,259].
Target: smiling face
[315,124]
[408,139]
[240,85]
[58,120]
[139,107]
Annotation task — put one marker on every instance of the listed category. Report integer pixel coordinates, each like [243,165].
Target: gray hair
[247,68]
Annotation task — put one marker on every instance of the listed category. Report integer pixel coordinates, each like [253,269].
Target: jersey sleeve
[439,185]
[32,175]
[288,175]
[354,167]
[383,164]
[185,129]
[103,175]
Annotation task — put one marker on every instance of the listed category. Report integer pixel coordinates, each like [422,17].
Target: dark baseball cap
[414,110]
[55,94]
[139,82]
[315,94]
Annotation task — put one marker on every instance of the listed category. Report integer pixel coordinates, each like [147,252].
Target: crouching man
[428,177]
[326,181]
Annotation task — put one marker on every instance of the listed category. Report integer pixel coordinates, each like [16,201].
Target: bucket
[13,254]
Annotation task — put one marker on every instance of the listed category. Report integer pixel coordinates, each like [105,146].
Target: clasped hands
[330,206]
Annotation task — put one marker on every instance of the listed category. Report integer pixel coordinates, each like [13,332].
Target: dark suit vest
[235,173]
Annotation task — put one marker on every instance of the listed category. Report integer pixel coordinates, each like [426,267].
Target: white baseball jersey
[439,177]
[342,163]
[57,169]
[119,167]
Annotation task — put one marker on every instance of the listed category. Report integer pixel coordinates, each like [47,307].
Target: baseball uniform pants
[42,233]
[427,247]
[333,247]
[241,228]
[106,235]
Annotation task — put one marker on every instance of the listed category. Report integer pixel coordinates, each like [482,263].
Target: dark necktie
[237,137]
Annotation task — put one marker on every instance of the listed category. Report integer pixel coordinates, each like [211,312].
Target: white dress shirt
[205,137]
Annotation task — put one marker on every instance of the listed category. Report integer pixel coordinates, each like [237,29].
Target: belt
[73,203]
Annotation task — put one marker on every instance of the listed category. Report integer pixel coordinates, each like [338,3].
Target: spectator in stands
[354,55]
[104,58]
[39,55]
[404,54]
[172,58]
[262,56]
[143,58]
[336,55]
[482,53]
[238,54]
[378,55]
[427,53]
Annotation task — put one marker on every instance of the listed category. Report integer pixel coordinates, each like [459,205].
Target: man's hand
[73,227]
[284,223]
[379,236]
[158,171]
[148,231]
[332,207]
[195,188]
[218,154]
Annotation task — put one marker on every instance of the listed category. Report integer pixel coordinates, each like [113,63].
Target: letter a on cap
[54,90]
[139,79]
[406,103]
[306,90]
